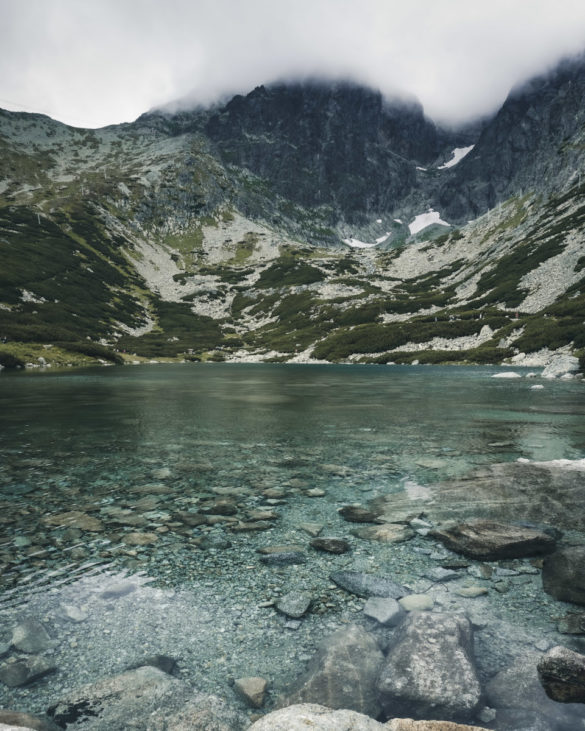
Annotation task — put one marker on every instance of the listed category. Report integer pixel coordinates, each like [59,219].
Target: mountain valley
[302,222]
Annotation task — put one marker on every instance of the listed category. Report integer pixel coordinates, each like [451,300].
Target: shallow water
[143,442]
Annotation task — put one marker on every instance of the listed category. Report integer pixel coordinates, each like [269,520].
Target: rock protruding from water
[562,674]
[367,585]
[342,674]
[429,671]
[303,716]
[563,574]
[560,365]
[488,540]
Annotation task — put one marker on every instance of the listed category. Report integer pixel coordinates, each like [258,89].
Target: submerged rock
[562,674]
[385,533]
[31,636]
[358,514]
[489,540]
[75,519]
[294,604]
[429,671]
[384,610]
[367,585]
[563,574]
[252,690]
[342,674]
[22,672]
[331,545]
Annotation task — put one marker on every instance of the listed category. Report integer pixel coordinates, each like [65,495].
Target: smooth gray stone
[25,671]
[284,559]
[384,610]
[367,585]
[563,575]
[562,674]
[31,636]
[294,604]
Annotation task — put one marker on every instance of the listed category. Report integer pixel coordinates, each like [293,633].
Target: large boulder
[559,365]
[563,574]
[562,674]
[489,540]
[429,671]
[342,674]
[409,724]
[316,717]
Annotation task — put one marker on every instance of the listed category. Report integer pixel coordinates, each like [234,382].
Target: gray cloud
[95,63]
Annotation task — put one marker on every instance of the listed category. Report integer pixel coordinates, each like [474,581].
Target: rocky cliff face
[339,145]
[234,233]
[536,142]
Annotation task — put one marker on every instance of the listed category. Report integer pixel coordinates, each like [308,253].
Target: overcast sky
[97,62]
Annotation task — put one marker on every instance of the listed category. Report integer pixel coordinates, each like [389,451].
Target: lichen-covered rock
[562,674]
[490,540]
[563,574]
[342,674]
[429,671]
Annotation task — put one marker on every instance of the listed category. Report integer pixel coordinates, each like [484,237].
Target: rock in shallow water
[384,610]
[367,585]
[31,636]
[305,716]
[489,540]
[294,604]
[15,720]
[562,674]
[385,533]
[331,545]
[26,671]
[342,674]
[285,558]
[563,574]
[429,671]
[252,690]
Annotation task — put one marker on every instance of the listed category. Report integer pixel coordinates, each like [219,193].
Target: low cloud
[109,61]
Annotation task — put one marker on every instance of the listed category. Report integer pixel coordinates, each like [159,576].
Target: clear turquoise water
[88,440]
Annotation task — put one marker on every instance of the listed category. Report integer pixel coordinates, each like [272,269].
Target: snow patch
[378,220]
[458,154]
[383,238]
[398,220]
[426,219]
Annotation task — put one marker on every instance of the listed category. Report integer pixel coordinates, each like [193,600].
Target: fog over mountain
[91,64]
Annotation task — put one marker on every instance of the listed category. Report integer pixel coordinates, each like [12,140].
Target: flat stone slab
[384,610]
[294,604]
[385,533]
[367,585]
[489,540]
